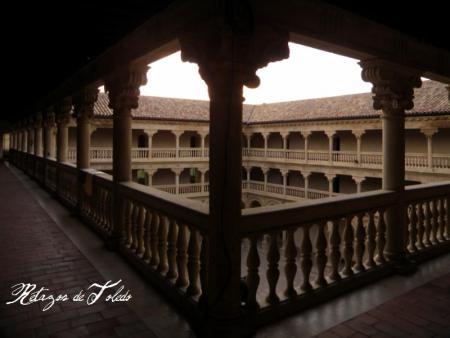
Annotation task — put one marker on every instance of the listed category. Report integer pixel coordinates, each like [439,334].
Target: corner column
[227,61]
[393,89]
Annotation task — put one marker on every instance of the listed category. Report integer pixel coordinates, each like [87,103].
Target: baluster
[440,220]
[321,255]
[252,279]
[370,240]
[182,280]
[290,269]
[154,261]
[359,243]
[273,256]
[420,227]
[140,237]
[172,250]
[305,259]
[427,223]
[381,237]
[162,244]
[127,223]
[193,263]
[434,223]
[335,252]
[147,236]
[134,233]
[412,228]
[348,247]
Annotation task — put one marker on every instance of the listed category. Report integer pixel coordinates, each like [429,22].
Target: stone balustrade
[347,158]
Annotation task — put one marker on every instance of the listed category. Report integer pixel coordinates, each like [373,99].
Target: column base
[401,264]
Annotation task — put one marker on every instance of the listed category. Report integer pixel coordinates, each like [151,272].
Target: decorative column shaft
[284,173]
[48,124]
[330,178]
[123,92]
[228,60]
[358,134]
[393,89]
[429,135]
[306,179]
[266,141]
[306,137]
[38,135]
[330,135]
[62,111]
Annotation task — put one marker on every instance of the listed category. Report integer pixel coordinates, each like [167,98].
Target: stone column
[305,135]
[202,179]
[62,111]
[330,134]
[177,134]
[429,132]
[203,135]
[284,173]
[48,124]
[248,137]
[150,173]
[38,135]
[330,177]
[248,169]
[83,108]
[123,92]
[150,134]
[266,173]
[177,172]
[25,139]
[227,61]
[358,134]
[266,141]
[30,137]
[358,180]
[393,89]
[306,175]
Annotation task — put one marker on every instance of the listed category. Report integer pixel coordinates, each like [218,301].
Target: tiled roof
[432,97]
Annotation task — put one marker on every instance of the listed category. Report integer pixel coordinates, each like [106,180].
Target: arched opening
[163,139]
[257,141]
[256,174]
[163,177]
[275,141]
[142,141]
[274,176]
[255,204]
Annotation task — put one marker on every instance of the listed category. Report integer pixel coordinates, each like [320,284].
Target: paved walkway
[423,312]
[42,244]
[34,250]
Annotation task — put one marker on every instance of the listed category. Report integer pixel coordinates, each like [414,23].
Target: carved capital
[84,101]
[63,110]
[221,51]
[123,87]
[49,118]
[393,86]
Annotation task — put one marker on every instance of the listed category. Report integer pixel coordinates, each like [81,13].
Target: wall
[164,139]
[102,137]
[371,141]
[415,141]
[163,177]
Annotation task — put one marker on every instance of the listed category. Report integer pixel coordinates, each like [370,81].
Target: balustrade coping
[190,212]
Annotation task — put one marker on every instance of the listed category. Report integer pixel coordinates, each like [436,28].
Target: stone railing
[295,193]
[366,159]
[297,255]
[293,255]
[163,235]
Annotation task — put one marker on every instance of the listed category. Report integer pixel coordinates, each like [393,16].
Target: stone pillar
[330,134]
[284,173]
[306,175]
[285,136]
[429,132]
[266,141]
[393,89]
[38,135]
[150,173]
[358,134]
[203,135]
[227,61]
[62,111]
[48,124]
[24,139]
[248,138]
[358,180]
[305,135]
[330,177]
[248,169]
[83,108]
[266,173]
[30,138]
[202,179]
[123,92]
[150,134]
[177,134]
[177,172]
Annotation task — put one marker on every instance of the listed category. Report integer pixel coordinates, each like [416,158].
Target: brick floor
[422,312]
[34,250]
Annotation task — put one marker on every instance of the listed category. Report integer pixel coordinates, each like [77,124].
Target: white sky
[308,73]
